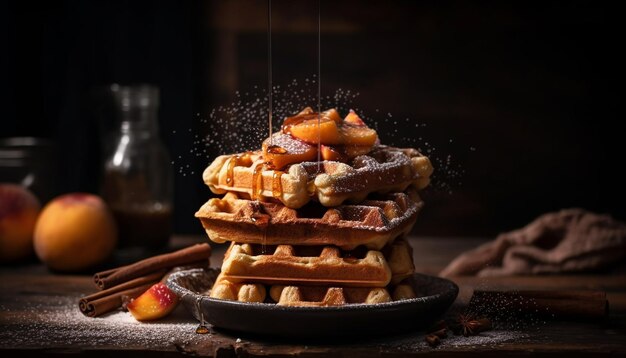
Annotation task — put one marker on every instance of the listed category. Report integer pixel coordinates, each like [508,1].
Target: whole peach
[75,232]
[19,209]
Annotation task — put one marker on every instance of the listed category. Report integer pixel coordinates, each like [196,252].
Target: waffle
[372,223]
[399,256]
[327,296]
[308,295]
[310,265]
[384,169]
[315,264]
[242,292]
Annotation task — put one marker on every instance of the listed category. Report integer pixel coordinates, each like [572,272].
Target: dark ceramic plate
[436,295]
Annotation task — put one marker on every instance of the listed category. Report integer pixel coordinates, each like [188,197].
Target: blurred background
[516,104]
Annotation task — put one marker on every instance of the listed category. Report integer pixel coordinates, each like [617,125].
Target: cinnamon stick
[106,304]
[576,305]
[107,300]
[113,277]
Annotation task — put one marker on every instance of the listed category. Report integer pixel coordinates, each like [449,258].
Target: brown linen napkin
[571,240]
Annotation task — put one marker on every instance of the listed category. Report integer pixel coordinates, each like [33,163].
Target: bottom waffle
[242,292]
[309,296]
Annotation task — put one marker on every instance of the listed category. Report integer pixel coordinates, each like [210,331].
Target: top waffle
[384,169]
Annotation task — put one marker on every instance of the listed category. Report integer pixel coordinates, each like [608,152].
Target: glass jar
[32,163]
[138,176]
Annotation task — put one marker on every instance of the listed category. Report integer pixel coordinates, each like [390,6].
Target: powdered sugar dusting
[488,339]
[241,126]
[288,143]
[63,326]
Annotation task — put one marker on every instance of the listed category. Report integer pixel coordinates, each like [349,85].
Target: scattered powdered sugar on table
[65,326]
[485,339]
[62,326]
[416,342]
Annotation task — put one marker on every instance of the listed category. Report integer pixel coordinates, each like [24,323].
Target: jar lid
[142,96]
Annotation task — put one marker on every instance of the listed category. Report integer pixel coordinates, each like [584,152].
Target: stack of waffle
[315,233]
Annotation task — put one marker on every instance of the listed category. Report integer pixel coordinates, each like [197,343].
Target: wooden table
[39,314]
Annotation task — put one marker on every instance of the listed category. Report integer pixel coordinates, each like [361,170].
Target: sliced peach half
[324,131]
[333,153]
[358,135]
[157,302]
[343,153]
[353,118]
[285,150]
[333,115]
[328,129]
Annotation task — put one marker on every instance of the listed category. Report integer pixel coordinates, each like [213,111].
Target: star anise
[469,325]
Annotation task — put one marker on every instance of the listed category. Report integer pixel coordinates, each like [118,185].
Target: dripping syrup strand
[257,182]
[232,163]
[270,95]
[269,65]
[319,84]
[202,328]
[277,185]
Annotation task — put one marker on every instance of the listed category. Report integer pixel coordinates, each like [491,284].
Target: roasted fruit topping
[157,302]
[328,128]
[339,140]
[285,150]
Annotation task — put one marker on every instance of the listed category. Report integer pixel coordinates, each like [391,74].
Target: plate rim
[171,281]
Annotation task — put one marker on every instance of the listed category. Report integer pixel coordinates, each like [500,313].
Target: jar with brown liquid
[138,178]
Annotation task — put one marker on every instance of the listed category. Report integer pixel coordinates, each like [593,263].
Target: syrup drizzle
[277,184]
[232,163]
[276,149]
[264,242]
[297,119]
[257,182]
[269,91]
[319,84]
[262,221]
[202,328]
[269,65]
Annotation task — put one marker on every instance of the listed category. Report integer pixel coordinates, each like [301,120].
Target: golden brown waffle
[385,169]
[308,295]
[372,223]
[318,265]
[399,256]
[242,292]
[308,265]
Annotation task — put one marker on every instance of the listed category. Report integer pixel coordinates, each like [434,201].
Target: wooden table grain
[39,314]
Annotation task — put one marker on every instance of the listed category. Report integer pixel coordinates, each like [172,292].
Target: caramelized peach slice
[286,150]
[353,118]
[358,135]
[332,114]
[343,153]
[333,153]
[157,302]
[311,131]
[330,130]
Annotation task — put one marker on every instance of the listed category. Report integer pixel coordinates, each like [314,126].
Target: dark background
[518,104]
